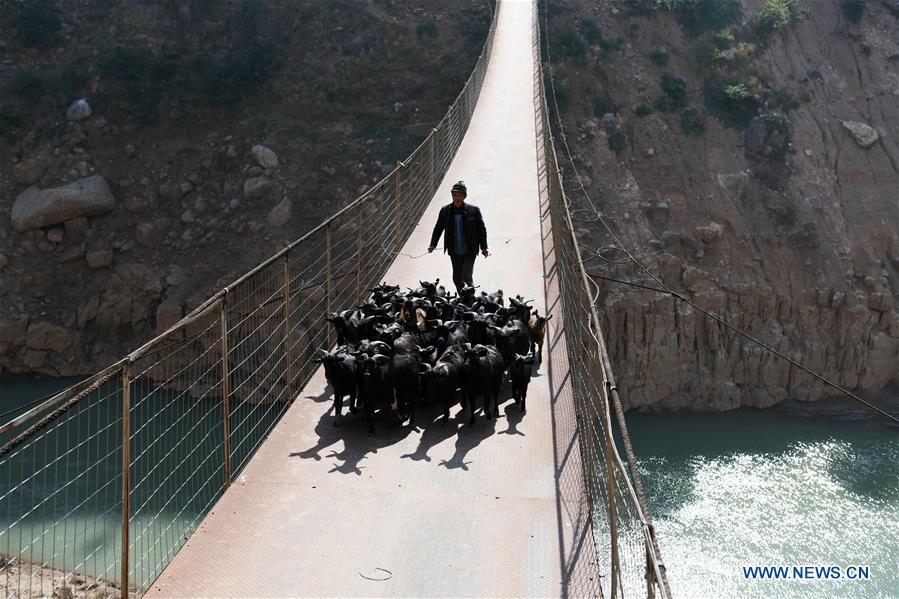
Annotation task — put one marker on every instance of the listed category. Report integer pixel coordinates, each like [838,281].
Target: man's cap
[460,186]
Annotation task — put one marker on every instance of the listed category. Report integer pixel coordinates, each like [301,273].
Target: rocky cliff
[154,150]
[748,152]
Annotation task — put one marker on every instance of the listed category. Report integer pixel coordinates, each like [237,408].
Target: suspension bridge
[205,462]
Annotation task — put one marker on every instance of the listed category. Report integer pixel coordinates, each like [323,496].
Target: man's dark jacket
[472,226]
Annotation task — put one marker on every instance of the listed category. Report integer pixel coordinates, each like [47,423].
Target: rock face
[765,137]
[35,208]
[865,135]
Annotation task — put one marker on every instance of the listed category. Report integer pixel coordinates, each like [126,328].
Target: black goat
[511,339]
[447,375]
[520,373]
[484,375]
[375,385]
[340,372]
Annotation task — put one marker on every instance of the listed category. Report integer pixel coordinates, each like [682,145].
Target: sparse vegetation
[776,14]
[10,118]
[427,29]
[617,141]
[591,31]
[853,10]
[674,93]
[733,102]
[602,105]
[642,109]
[659,55]
[691,122]
[698,16]
[39,23]
[567,45]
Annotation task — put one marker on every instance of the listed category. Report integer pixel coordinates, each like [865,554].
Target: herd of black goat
[398,348]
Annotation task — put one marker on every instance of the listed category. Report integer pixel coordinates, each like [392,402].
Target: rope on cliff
[663,287]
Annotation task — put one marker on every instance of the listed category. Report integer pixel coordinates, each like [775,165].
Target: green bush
[698,16]
[602,105]
[617,141]
[776,14]
[28,86]
[139,76]
[427,29]
[730,101]
[39,23]
[691,122]
[706,52]
[674,93]
[642,109]
[659,55]
[591,31]
[853,10]
[567,45]
[238,74]
[10,118]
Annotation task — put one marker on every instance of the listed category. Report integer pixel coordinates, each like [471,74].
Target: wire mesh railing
[102,484]
[627,552]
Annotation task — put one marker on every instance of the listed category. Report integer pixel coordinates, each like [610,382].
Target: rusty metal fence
[102,484]
[627,552]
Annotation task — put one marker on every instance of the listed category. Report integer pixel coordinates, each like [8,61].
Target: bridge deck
[497,510]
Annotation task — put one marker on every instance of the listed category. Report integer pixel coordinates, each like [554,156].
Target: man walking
[463,233]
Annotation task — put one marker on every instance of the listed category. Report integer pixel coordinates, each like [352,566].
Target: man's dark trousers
[463,267]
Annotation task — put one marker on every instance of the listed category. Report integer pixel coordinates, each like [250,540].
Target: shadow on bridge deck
[494,510]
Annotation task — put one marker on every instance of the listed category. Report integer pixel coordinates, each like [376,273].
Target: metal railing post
[288,366]
[397,181]
[126,476]
[381,247]
[433,186]
[328,282]
[226,392]
[359,256]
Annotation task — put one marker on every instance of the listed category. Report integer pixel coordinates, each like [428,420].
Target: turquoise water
[756,488]
[61,491]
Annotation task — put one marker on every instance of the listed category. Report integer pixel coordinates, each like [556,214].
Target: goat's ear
[548,317]
[317,360]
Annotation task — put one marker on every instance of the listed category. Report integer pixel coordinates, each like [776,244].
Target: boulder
[79,110]
[865,135]
[43,335]
[264,156]
[29,172]
[76,227]
[280,214]
[257,187]
[135,204]
[56,235]
[148,235]
[710,232]
[35,208]
[99,258]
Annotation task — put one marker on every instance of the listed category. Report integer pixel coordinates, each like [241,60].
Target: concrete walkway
[493,511]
